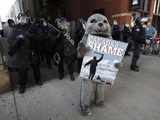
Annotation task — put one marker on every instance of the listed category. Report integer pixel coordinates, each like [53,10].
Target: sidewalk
[135,96]
[4,80]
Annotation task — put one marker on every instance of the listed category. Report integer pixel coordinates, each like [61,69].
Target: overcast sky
[5,5]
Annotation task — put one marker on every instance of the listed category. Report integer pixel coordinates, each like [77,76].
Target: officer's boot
[61,70]
[37,74]
[72,77]
[61,76]
[71,71]
[135,58]
[135,68]
[23,78]
[22,89]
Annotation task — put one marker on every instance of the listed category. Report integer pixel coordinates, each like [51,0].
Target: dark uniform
[138,36]
[79,35]
[18,59]
[126,36]
[35,36]
[70,53]
[66,48]
[116,32]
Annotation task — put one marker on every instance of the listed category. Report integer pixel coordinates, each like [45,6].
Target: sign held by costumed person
[101,61]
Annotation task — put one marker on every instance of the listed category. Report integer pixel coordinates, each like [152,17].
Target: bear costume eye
[105,21]
[93,21]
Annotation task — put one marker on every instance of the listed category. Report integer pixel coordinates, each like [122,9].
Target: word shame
[104,47]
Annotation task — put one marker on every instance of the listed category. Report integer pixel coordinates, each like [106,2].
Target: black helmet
[138,21]
[10,21]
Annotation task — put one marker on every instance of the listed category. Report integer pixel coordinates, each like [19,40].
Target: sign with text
[99,64]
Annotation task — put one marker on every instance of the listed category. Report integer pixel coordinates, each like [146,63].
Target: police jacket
[138,34]
[18,48]
[126,34]
[116,32]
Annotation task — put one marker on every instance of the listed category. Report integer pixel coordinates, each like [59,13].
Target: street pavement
[135,96]
[4,80]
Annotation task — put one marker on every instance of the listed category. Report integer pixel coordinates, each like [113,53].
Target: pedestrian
[150,34]
[150,31]
[138,36]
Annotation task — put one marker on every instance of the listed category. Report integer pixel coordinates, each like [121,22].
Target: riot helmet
[138,21]
[11,22]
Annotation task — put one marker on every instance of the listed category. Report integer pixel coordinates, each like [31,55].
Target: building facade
[121,10]
[156,15]
[124,11]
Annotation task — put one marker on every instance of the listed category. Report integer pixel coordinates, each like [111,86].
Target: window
[135,2]
[156,9]
[146,9]
[140,4]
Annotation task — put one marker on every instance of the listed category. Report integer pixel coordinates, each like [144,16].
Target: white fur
[89,87]
[94,28]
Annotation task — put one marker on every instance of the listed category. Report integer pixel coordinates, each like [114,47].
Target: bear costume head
[97,25]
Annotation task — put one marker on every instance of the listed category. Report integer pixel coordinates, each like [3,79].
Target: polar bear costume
[92,92]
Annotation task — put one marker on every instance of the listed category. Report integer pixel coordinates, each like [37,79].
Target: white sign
[99,63]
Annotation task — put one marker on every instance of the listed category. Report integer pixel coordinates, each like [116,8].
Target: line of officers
[27,54]
[31,42]
[23,52]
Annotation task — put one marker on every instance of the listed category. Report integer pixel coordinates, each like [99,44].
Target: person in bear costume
[92,92]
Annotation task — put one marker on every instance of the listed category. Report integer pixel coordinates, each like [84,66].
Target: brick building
[121,10]
[156,15]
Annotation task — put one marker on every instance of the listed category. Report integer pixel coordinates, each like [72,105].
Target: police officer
[36,37]
[116,31]
[19,53]
[66,47]
[126,33]
[80,30]
[138,36]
